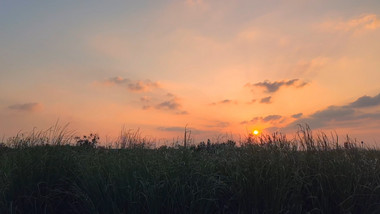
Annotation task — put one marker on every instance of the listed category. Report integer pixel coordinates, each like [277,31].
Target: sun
[255,132]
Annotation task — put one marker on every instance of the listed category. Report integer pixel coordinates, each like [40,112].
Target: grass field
[42,173]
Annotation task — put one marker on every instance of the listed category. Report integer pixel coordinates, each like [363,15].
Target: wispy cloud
[266,100]
[171,104]
[171,128]
[132,85]
[226,101]
[146,107]
[249,35]
[26,107]
[310,67]
[145,99]
[271,118]
[194,2]
[251,102]
[164,102]
[179,129]
[218,124]
[297,115]
[271,87]
[360,23]
[266,119]
[182,112]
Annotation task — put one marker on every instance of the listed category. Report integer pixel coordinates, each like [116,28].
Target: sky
[219,67]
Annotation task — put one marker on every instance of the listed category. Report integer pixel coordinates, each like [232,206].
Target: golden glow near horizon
[255,132]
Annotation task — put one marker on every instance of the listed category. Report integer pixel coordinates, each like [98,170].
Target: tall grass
[266,174]
[130,138]
[55,135]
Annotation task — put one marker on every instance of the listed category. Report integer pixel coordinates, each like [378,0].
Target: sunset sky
[220,66]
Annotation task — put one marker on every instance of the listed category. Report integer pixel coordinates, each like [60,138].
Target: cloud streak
[266,100]
[360,23]
[297,115]
[271,118]
[167,102]
[218,124]
[251,102]
[226,101]
[171,104]
[266,119]
[343,115]
[132,85]
[271,87]
[26,107]
[179,129]
[194,2]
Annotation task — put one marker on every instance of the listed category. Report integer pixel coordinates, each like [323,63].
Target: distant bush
[87,141]
[3,146]
[212,147]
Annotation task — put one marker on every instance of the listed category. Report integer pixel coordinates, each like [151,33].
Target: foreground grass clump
[276,177]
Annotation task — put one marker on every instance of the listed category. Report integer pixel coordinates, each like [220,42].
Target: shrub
[87,141]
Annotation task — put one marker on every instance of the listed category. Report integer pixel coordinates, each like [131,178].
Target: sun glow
[255,132]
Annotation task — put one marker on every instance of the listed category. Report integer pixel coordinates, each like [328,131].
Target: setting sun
[255,132]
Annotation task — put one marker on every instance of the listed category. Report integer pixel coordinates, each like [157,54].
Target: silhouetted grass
[267,174]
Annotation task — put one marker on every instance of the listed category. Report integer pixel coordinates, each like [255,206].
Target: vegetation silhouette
[53,171]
